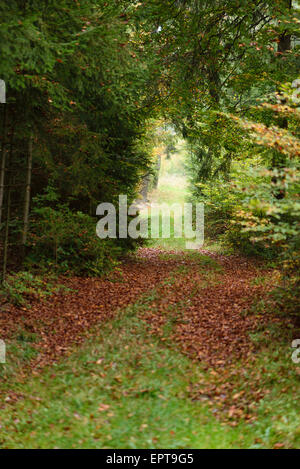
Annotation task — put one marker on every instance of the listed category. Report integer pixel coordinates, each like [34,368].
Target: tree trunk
[278,162]
[284,45]
[6,238]
[27,192]
[3,162]
[8,205]
[156,178]
[145,187]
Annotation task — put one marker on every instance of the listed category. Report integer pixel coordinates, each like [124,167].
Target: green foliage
[86,78]
[19,288]
[287,298]
[77,86]
[250,190]
[66,241]
[248,215]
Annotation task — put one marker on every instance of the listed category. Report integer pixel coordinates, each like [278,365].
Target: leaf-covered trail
[64,319]
[209,294]
[118,375]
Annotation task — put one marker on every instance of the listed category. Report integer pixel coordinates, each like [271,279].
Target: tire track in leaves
[63,321]
[204,310]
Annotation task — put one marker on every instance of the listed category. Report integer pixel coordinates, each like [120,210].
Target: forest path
[129,383]
[207,289]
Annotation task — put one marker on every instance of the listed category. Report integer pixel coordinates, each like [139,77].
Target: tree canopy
[86,82]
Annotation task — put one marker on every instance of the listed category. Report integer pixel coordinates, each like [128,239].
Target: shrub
[20,287]
[287,298]
[67,243]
